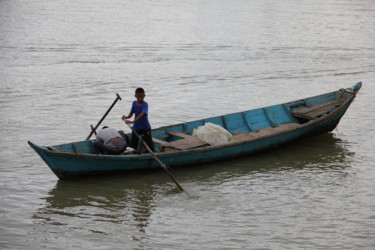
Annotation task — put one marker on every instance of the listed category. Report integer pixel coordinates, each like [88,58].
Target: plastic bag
[212,134]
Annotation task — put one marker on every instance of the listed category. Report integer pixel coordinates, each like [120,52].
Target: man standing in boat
[140,123]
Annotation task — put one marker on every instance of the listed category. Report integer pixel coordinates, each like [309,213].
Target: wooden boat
[252,131]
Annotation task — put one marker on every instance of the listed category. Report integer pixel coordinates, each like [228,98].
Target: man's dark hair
[139,91]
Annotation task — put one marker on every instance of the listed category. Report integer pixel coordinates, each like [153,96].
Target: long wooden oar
[93,129]
[118,97]
[162,165]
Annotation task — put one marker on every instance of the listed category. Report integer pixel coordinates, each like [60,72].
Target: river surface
[62,63]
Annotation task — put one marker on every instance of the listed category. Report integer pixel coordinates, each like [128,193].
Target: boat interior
[251,124]
[243,126]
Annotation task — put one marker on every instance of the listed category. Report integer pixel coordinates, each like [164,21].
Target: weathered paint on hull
[68,165]
[244,149]
[73,165]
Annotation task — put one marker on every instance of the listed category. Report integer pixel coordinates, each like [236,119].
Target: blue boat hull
[255,131]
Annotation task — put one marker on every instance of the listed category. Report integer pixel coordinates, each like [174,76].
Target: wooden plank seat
[315,111]
[265,131]
[158,141]
[187,141]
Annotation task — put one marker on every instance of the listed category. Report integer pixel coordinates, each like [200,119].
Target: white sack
[212,134]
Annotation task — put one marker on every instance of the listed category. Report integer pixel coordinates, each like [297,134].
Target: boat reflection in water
[131,199]
[119,199]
